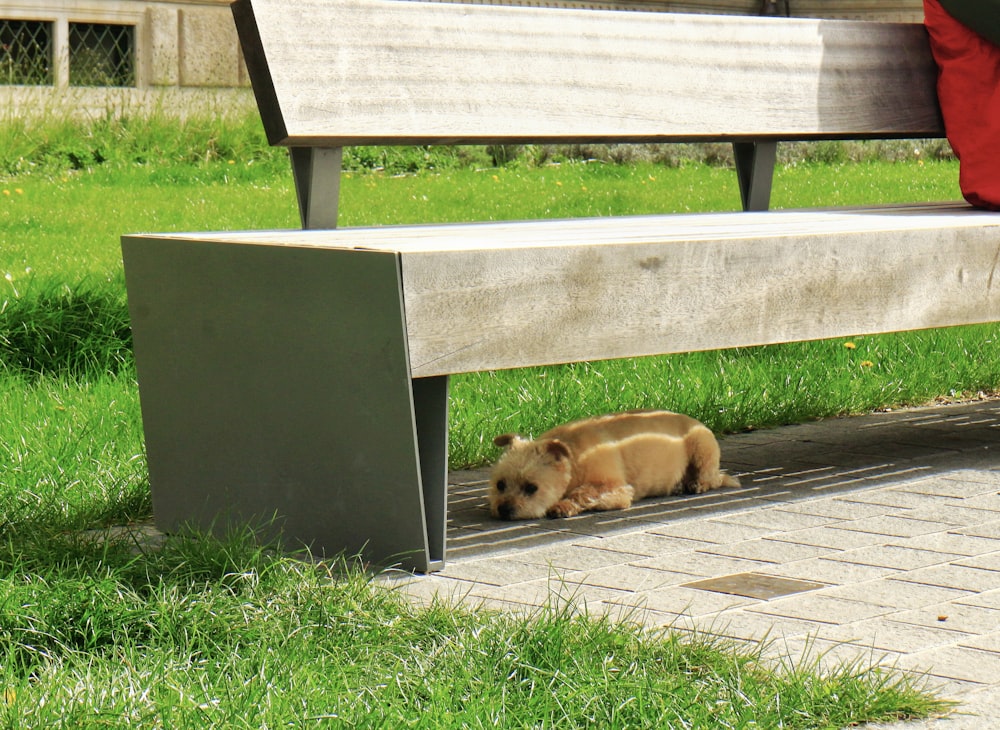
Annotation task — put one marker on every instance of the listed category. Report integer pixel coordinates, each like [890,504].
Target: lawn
[225,633]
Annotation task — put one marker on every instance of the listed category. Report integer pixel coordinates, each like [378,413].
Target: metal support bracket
[317,184]
[755,169]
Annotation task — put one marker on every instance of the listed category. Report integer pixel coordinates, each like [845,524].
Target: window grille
[101,54]
[25,52]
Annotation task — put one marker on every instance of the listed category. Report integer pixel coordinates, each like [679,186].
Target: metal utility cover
[755,585]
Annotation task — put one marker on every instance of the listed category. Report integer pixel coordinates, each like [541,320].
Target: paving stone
[712,506]
[777,519]
[979,708]
[590,524]
[776,494]
[947,437]
[897,593]
[955,576]
[894,556]
[954,514]
[796,471]
[553,594]
[988,561]
[886,634]
[811,653]
[865,474]
[990,501]
[498,540]
[633,578]
[768,551]
[830,537]
[750,626]
[823,608]
[952,485]
[649,544]
[577,557]
[950,542]
[639,615]
[637,517]
[495,571]
[984,642]
[968,665]
[954,617]
[894,525]
[759,438]
[843,508]
[989,477]
[656,621]
[699,563]
[989,529]
[710,531]
[987,599]
[521,611]
[833,572]
[770,475]
[900,498]
[900,450]
[432,588]
[469,477]
[686,601]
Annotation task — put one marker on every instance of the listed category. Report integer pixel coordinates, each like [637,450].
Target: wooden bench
[303,375]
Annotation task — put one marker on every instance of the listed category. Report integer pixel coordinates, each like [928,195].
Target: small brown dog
[604,463]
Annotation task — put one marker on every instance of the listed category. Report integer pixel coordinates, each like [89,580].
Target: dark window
[101,54]
[25,52]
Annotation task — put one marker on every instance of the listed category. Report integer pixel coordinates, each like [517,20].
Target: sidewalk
[874,538]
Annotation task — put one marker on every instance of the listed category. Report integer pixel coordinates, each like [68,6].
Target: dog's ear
[506,440]
[556,449]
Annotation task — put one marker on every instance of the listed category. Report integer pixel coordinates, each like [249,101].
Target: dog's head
[529,478]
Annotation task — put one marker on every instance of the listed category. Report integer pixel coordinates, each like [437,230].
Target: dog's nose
[505,512]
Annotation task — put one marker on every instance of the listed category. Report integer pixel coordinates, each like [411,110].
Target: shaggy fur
[604,463]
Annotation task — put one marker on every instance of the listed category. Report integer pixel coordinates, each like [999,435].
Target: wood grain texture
[384,72]
[504,295]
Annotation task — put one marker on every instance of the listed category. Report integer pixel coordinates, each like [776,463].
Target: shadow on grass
[51,328]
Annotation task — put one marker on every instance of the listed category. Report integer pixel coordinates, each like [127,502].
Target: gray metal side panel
[274,382]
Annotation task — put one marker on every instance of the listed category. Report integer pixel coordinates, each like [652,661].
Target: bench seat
[483,296]
[272,361]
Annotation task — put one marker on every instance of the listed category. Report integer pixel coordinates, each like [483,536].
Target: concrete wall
[186,57]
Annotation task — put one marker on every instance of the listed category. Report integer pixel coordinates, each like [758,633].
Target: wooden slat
[498,309]
[509,295]
[384,71]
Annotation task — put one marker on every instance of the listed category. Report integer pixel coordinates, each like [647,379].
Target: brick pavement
[886,527]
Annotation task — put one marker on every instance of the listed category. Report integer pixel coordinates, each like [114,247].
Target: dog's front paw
[563,508]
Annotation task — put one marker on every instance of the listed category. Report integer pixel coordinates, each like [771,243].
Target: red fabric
[969,92]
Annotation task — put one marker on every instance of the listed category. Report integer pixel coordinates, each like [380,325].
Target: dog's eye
[501,485]
[530,488]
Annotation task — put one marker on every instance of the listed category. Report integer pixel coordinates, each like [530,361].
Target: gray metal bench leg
[316,171]
[275,383]
[430,401]
[755,170]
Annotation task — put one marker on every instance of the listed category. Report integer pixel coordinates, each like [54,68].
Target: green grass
[70,453]
[207,633]
[225,634]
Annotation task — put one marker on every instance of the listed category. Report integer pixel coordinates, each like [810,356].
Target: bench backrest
[346,72]
[335,73]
